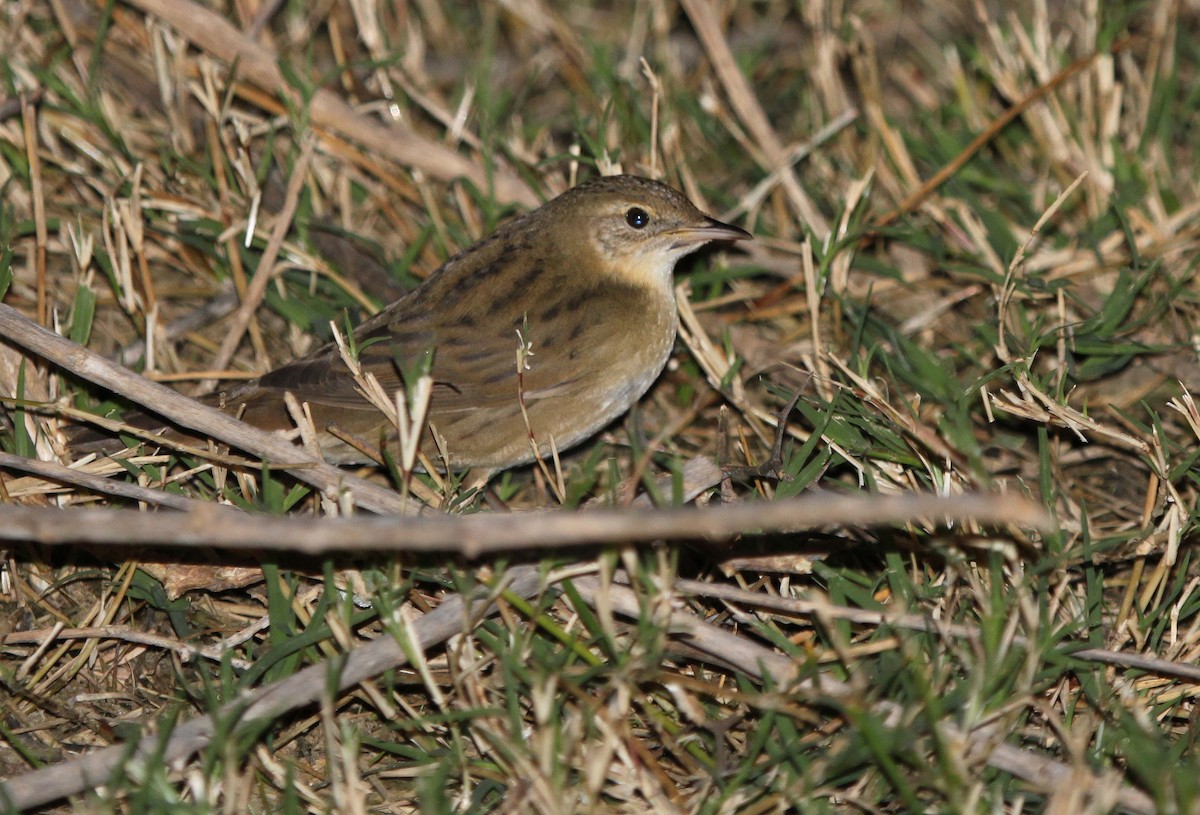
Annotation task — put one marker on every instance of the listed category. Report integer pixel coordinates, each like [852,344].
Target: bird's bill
[714,230]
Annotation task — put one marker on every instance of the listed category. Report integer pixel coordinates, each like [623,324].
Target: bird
[536,337]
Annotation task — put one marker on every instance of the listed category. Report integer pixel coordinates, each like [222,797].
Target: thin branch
[11,105]
[1156,665]
[773,466]
[211,311]
[106,486]
[488,533]
[265,273]
[920,622]
[187,652]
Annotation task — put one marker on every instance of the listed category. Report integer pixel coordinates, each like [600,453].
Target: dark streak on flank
[550,312]
[457,339]
[501,303]
[577,302]
[403,338]
[464,319]
[496,377]
[577,329]
[489,270]
[447,294]
[537,270]
[519,288]
[478,355]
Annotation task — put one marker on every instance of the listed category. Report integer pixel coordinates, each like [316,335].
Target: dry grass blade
[266,272]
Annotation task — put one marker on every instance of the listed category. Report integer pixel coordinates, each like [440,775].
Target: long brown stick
[52,471]
[486,533]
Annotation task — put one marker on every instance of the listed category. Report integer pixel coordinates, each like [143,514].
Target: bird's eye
[637,217]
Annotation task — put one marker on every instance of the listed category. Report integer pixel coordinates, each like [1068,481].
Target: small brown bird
[584,283]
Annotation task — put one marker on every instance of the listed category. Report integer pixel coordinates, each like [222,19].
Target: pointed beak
[710,230]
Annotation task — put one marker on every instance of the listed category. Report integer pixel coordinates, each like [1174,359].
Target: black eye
[637,217]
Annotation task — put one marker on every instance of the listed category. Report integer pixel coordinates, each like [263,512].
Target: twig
[10,106]
[1163,667]
[191,414]
[795,155]
[920,622]
[931,185]
[213,310]
[29,115]
[124,633]
[488,533]
[77,478]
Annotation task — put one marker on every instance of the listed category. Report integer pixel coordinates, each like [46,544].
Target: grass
[1007,333]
